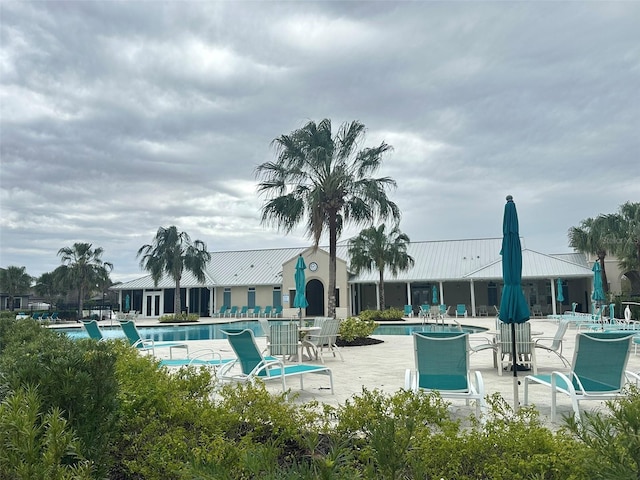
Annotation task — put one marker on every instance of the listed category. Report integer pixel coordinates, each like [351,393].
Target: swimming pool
[215,331]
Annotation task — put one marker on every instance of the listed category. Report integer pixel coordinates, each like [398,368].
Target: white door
[152,305]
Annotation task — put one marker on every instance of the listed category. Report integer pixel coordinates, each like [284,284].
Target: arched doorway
[315,297]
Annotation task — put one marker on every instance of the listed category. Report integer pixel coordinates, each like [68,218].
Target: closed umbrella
[434,295]
[300,301]
[598,292]
[560,295]
[127,303]
[513,306]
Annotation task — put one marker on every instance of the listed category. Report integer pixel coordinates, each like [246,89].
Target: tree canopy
[326,181]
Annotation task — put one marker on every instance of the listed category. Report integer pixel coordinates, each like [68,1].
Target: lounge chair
[284,340]
[423,312]
[55,318]
[243,312]
[93,329]
[461,310]
[277,312]
[597,372]
[408,311]
[266,313]
[250,365]
[255,313]
[442,365]
[135,339]
[201,358]
[220,313]
[315,343]
[556,341]
[232,312]
[483,311]
[536,311]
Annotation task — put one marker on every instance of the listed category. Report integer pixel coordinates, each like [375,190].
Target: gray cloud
[120,117]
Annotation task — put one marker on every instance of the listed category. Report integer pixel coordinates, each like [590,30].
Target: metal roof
[534,265]
[446,260]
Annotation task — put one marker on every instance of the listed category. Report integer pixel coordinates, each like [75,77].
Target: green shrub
[179,317]
[613,436]
[391,314]
[37,445]
[75,376]
[354,327]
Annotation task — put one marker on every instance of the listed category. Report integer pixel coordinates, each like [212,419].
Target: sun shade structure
[300,301]
[513,306]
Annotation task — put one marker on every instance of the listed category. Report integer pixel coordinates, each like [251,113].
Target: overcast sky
[118,118]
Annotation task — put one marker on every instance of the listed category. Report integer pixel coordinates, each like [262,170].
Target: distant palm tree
[171,253]
[325,181]
[14,281]
[593,236]
[626,243]
[82,268]
[373,249]
[48,286]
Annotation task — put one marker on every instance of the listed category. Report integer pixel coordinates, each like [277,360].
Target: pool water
[215,331]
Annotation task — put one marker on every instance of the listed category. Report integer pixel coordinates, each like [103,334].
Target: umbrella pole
[514,367]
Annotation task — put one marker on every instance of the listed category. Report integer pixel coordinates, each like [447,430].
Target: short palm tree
[48,287]
[14,281]
[626,242]
[171,253]
[82,268]
[375,249]
[325,181]
[593,236]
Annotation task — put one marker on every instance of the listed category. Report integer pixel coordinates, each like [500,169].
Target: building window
[226,297]
[251,297]
[277,296]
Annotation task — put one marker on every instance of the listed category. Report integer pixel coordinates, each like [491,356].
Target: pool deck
[383,366]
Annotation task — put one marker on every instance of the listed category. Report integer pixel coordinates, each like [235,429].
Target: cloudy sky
[118,118]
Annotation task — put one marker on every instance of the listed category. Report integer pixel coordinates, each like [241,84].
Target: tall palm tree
[373,248]
[326,181]
[171,253]
[14,281]
[82,268]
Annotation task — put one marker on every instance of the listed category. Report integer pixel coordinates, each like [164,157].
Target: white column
[473,298]
[186,299]
[553,297]
[211,290]
[409,299]
[377,296]
[120,300]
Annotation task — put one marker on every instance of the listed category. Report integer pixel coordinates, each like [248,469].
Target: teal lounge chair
[243,312]
[250,365]
[408,311]
[133,335]
[461,310]
[220,313]
[277,312]
[255,313]
[267,311]
[93,329]
[232,312]
[597,372]
[55,317]
[442,365]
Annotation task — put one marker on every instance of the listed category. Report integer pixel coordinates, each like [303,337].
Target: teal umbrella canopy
[301,300]
[434,295]
[513,305]
[560,295]
[127,303]
[598,292]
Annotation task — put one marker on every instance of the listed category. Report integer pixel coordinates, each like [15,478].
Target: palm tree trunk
[333,241]
[177,303]
[381,289]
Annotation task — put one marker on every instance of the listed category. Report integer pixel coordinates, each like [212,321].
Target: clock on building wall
[313,266]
